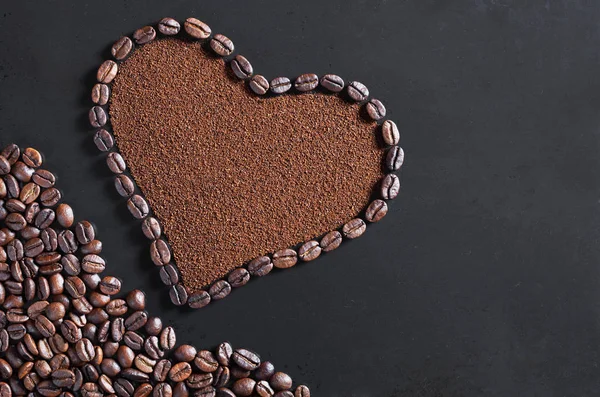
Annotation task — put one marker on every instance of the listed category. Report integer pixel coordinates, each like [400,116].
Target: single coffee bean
[123,387]
[153,326]
[160,253]
[224,353]
[55,311]
[332,82]
[97,316]
[185,353]
[161,370]
[285,258]
[119,51]
[280,381]
[263,389]
[225,392]
[259,84]
[376,210]
[104,140]
[394,158]
[238,277]
[90,330]
[125,356]
[11,153]
[63,378]
[64,215]
[110,367]
[136,320]
[152,348]
[219,290]
[22,172]
[144,35]
[93,247]
[100,94]
[29,193]
[134,375]
[5,390]
[99,300]
[168,26]
[67,241]
[102,335]
[70,331]
[260,266]
[16,222]
[246,359]
[306,82]
[134,340]
[169,276]
[15,250]
[16,205]
[93,264]
[390,187]
[16,331]
[390,133]
[302,391]
[181,371]
[309,251]
[241,67]
[264,371]
[110,285]
[33,247]
[144,364]
[331,241]
[16,315]
[57,344]
[44,326]
[145,389]
[13,189]
[91,280]
[375,109]
[357,91]
[221,377]
[71,265]
[180,390]
[162,390]
[198,299]
[354,228]
[48,235]
[151,228]
[208,391]
[85,232]
[244,387]
[117,329]
[4,340]
[44,178]
[4,166]
[168,338]
[197,29]
[116,163]
[205,361]
[199,381]
[48,389]
[221,45]
[279,85]
[50,197]
[178,294]
[97,116]
[106,384]
[138,207]
[31,211]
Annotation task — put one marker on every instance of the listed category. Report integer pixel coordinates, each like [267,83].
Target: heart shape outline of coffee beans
[221,46]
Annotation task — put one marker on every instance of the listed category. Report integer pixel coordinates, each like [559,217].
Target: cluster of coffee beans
[66,330]
[221,45]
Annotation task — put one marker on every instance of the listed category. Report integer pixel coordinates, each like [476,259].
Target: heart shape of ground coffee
[239,181]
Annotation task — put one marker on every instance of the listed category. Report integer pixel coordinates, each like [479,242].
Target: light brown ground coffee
[230,175]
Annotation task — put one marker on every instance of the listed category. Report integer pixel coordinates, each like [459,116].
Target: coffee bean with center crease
[197,29]
[15,221]
[100,94]
[169,276]
[75,287]
[15,205]
[50,197]
[259,84]
[162,390]
[33,247]
[168,338]
[205,361]
[85,232]
[241,67]
[44,178]
[178,294]
[70,331]
[161,370]
[134,340]
[302,391]
[221,45]
[71,265]
[97,116]
[151,228]
[332,82]
[22,172]
[104,140]
[138,207]
[29,193]
[116,163]
[244,387]
[207,391]
[260,266]
[144,363]
[285,258]
[143,390]
[117,329]
[219,290]
[123,387]
[93,264]
[160,253]
[48,235]
[144,35]
[375,109]
[224,353]
[181,371]
[390,187]
[199,299]
[136,320]
[168,26]
[357,91]
[390,133]
[238,277]
[221,377]
[152,348]
[67,242]
[45,219]
[279,85]
[11,153]
[5,166]
[263,389]
[15,250]
[376,210]
[121,48]
[63,378]
[44,326]
[246,359]
[134,375]
[394,158]
[354,228]
[306,82]
[331,241]
[309,251]
[13,188]
[16,331]
[48,389]
[110,286]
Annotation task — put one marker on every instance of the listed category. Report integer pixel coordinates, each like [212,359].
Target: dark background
[484,278]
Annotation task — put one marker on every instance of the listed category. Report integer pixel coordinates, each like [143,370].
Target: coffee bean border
[354,91]
[67,330]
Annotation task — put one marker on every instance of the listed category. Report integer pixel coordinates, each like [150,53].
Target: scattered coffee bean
[376,210]
[246,359]
[43,178]
[107,71]
[97,116]
[332,82]
[197,29]
[331,241]
[153,326]
[144,35]
[160,252]
[219,290]
[199,299]
[244,387]
[116,163]
[259,84]
[104,140]
[280,381]
[32,157]
[178,294]
[151,228]
[260,266]
[263,389]
[168,26]
[302,391]
[394,158]
[375,109]
[238,277]
[241,67]
[306,82]
[124,185]
[264,371]
[138,207]
[168,338]
[120,50]
[169,276]
[358,91]
[354,228]
[100,94]
[221,45]
[285,258]
[309,251]
[390,133]
[279,85]
[390,187]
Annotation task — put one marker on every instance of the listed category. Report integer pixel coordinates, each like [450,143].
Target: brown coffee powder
[230,175]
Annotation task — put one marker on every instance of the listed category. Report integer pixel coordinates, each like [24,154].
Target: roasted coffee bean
[13,287]
[376,210]
[153,326]
[4,340]
[168,338]
[44,326]
[15,222]
[244,387]
[97,116]
[309,251]
[29,193]
[116,163]
[354,228]
[185,353]
[63,378]
[13,301]
[279,85]
[93,247]
[42,368]
[134,340]
[48,235]
[160,252]
[264,371]
[31,211]
[302,391]
[394,158]
[91,280]
[260,266]
[134,375]
[145,389]
[224,353]
[152,348]
[390,133]
[64,215]
[105,384]
[182,371]
[198,299]
[57,344]
[11,153]
[120,50]
[100,94]
[197,29]
[169,276]
[221,377]
[138,207]
[97,316]
[332,82]
[44,178]
[71,265]
[331,241]
[107,71]
[110,367]
[241,67]
[59,361]
[85,232]
[375,109]
[93,264]
[259,84]
[207,391]
[263,389]
[225,392]
[205,361]
[306,82]
[180,390]
[162,390]
[15,250]
[22,172]
[110,286]
[50,197]
[221,45]
[144,364]
[16,315]
[4,166]
[161,370]
[16,331]
[151,228]
[67,242]
[390,187]
[15,205]
[44,219]
[246,359]
[358,91]
[5,390]
[280,381]
[136,320]
[104,140]
[117,329]
[82,306]
[239,373]
[125,356]
[144,35]
[238,277]
[33,247]
[219,290]
[178,294]
[285,258]
[168,26]
[199,381]
[48,389]
[123,387]
[70,331]
[110,349]
[13,188]
[90,330]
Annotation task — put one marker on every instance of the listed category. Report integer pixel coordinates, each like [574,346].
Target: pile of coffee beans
[67,330]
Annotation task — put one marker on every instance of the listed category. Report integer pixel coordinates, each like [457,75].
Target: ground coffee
[230,175]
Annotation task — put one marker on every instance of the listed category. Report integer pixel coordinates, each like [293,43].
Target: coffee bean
[331,241]
[33,247]
[244,387]
[4,166]
[394,158]
[151,228]
[98,300]
[4,340]
[259,84]
[238,277]
[15,222]
[168,338]
[57,344]
[11,153]
[134,375]
[358,91]
[93,264]
[241,67]
[354,228]
[376,210]
[180,390]
[197,29]
[264,371]
[44,178]
[309,251]
[263,389]
[71,265]
[168,26]
[161,370]
[152,348]
[15,250]
[67,242]
[332,82]
[185,353]
[64,215]
[119,51]
[145,389]
[70,331]
[85,232]
[208,391]
[260,266]
[91,280]
[219,290]
[134,340]
[160,253]
[104,140]
[44,326]
[178,294]
[116,163]
[390,133]
[48,235]
[117,329]
[105,384]
[48,389]
[144,364]
[2,189]
[136,320]
[144,35]
[168,275]
[12,186]
[285,258]
[246,359]
[306,82]
[225,392]
[221,45]
[280,381]
[279,85]
[93,247]
[221,377]
[29,193]
[124,185]
[22,172]
[224,353]
[97,116]
[302,391]
[63,378]
[100,94]
[153,326]
[125,355]
[55,311]
[199,381]
[16,331]
[138,207]
[390,187]
[205,361]
[75,287]
[162,390]
[123,387]
[50,197]
[5,390]
[199,299]
[182,371]
[15,205]
[375,109]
